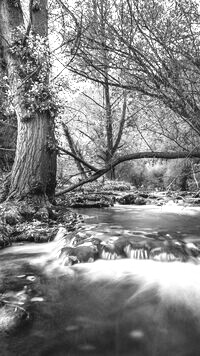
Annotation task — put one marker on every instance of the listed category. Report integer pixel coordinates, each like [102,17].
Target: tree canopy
[121,77]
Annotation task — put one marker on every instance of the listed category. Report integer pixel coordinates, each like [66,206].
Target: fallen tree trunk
[129,157]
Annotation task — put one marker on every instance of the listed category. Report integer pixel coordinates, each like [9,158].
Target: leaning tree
[25,55]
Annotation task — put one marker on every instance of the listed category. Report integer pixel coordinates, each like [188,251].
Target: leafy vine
[33,65]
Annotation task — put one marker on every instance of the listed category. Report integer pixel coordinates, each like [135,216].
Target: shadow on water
[122,307]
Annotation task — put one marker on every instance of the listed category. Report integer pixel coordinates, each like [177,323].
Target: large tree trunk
[34,169]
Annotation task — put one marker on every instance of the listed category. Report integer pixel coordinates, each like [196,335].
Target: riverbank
[102,195]
[22,223]
[103,199]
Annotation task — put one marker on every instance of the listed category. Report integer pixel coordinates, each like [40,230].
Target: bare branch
[121,124]
[7,149]
[92,168]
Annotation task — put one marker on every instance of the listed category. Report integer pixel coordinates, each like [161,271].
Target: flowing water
[120,219]
[122,307]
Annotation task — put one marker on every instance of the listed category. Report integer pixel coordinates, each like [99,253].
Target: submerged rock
[13,310]
[11,317]
[91,201]
[78,254]
[159,247]
[127,199]
[140,201]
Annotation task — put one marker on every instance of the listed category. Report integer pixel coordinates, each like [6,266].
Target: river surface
[47,309]
[172,219]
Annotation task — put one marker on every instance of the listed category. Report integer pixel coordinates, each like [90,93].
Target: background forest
[123,77]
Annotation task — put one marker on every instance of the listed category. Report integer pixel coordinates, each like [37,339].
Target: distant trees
[113,103]
[151,47]
[146,48]
[164,54]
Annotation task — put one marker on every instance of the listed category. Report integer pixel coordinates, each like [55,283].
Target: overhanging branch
[129,157]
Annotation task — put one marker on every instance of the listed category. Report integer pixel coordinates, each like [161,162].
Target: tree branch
[7,149]
[92,168]
[73,148]
[137,155]
[122,122]
[87,180]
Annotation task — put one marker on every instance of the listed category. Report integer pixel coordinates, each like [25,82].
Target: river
[120,219]
[122,307]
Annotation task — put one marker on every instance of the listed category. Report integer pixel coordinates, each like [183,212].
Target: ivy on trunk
[26,56]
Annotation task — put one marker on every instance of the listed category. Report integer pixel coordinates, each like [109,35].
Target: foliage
[116,185]
[131,83]
[144,173]
[151,47]
[146,48]
[107,185]
[174,175]
[33,69]
[177,175]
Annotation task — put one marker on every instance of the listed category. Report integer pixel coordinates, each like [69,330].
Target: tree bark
[34,169]
[74,150]
[108,108]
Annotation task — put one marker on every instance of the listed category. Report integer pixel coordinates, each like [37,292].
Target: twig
[7,149]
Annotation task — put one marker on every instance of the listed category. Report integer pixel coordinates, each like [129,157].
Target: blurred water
[122,307]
